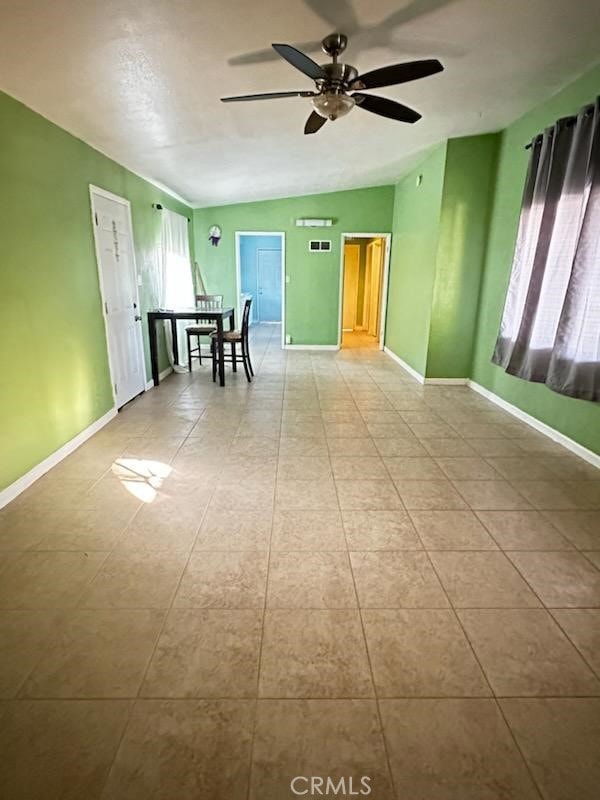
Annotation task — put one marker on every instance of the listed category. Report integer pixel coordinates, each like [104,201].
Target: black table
[216,315]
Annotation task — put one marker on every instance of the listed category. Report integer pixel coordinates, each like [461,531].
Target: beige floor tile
[582,528]
[524,653]
[421,653]
[523,530]
[254,445]
[517,468]
[352,446]
[467,469]
[314,653]
[380,530]
[433,430]
[584,494]
[564,580]
[448,448]
[294,447]
[554,495]
[339,739]
[560,738]
[305,495]
[167,525]
[308,530]
[304,468]
[240,467]
[344,430]
[451,530]
[491,495]
[593,556]
[184,748]
[429,495]
[310,580]
[408,468]
[23,527]
[58,749]
[135,580]
[303,430]
[405,447]
[206,653]
[47,580]
[248,494]
[97,654]
[26,637]
[453,749]
[582,626]
[482,580]
[233,529]
[353,468]
[396,580]
[495,448]
[223,580]
[367,495]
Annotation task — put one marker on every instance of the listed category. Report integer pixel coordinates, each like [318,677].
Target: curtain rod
[159,207]
[587,111]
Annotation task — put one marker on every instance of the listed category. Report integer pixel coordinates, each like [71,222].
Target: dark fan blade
[300,61]
[267,96]
[386,108]
[397,73]
[337,13]
[264,56]
[314,123]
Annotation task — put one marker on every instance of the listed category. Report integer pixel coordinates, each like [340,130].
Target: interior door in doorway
[268,273]
[375,274]
[350,297]
[120,303]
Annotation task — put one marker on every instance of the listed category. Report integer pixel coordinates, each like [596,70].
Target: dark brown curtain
[550,329]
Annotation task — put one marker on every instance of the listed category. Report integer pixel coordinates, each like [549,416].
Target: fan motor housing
[338,75]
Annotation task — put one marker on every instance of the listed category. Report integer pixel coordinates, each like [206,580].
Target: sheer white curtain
[550,330]
[176,282]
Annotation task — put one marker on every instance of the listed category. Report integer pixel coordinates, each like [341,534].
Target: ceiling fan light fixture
[332,105]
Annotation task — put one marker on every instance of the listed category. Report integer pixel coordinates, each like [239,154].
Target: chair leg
[233,357]
[213,353]
[246,362]
[199,351]
[189,345]
[248,356]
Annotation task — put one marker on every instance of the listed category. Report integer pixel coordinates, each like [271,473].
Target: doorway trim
[238,279]
[96,190]
[387,237]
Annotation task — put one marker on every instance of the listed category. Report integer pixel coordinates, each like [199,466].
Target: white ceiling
[141,81]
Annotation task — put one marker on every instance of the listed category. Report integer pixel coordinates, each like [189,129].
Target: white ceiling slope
[141,81]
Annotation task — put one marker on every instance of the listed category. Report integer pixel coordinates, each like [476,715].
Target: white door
[375,259]
[351,271]
[118,284]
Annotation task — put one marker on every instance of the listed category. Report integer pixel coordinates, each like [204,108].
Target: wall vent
[319,246]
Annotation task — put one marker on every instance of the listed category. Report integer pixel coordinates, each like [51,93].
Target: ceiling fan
[339,87]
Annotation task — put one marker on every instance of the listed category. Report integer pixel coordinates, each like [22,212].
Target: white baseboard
[551,433]
[311,347]
[161,376]
[446,381]
[22,483]
[413,372]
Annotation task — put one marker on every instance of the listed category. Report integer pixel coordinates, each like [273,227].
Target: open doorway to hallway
[260,263]
[365,259]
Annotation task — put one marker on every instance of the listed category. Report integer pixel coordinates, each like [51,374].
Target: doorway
[115,255]
[365,264]
[260,262]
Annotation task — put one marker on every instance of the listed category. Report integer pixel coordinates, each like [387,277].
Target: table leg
[153,349]
[221,351]
[174,340]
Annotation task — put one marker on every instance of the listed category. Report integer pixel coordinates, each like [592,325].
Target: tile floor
[333,572]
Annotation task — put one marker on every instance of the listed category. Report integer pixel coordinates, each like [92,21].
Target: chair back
[246,317]
[209,302]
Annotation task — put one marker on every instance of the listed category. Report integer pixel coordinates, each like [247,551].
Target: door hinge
[96,217]
[106,306]
[115,385]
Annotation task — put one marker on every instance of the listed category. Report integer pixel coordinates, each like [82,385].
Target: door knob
[137,319]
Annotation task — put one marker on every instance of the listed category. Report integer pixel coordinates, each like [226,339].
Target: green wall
[466,204]
[415,233]
[578,419]
[54,379]
[312,293]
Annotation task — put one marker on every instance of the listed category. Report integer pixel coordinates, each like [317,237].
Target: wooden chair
[204,302]
[234,338]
